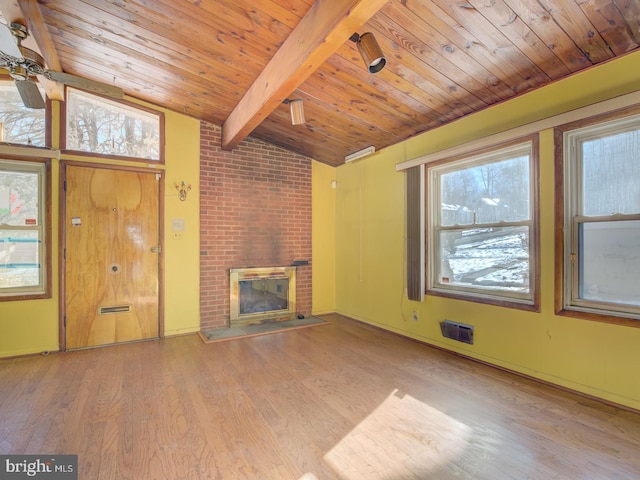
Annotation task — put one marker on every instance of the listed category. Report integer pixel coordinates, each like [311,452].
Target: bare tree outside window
[101,126]
[18,124]
[610,172]
[482,224]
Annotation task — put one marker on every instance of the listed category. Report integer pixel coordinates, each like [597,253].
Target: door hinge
[158,176]
[64,321]
[156,249]
[64,185]
[64,253]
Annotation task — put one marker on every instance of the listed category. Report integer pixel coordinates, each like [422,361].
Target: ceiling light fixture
[370,51]
[296,107]
[359,154]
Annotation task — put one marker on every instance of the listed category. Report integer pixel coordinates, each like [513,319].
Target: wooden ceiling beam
[28,13]
[325,27]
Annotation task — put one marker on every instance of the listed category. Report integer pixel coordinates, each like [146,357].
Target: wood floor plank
[346,401]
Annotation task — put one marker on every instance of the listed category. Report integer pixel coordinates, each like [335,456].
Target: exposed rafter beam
[28,13]
[327,25]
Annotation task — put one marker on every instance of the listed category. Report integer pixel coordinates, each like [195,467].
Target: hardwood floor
[344,401]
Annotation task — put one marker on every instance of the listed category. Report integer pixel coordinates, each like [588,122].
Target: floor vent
[457,331]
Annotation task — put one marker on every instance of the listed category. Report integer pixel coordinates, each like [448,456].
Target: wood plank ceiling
[234,62]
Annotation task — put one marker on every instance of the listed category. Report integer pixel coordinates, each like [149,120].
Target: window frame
[494,153]
[6,79]
[43,168]
[568,218]
[123,103]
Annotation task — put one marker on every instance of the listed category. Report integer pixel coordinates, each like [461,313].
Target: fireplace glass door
[263,295]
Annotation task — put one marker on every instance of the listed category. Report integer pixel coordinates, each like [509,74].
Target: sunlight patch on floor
[403,437]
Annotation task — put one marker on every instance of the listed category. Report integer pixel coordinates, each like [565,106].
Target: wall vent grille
[457,331]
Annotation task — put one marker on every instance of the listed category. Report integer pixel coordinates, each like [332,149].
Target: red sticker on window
[30,221]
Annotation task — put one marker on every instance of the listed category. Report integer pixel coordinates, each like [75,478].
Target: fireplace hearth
[260,295]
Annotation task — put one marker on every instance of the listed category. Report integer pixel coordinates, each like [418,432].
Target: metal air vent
[457,331]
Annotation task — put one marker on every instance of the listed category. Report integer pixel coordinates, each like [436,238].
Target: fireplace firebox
[260,295]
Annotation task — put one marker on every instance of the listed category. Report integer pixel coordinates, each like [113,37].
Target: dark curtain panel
[415,244]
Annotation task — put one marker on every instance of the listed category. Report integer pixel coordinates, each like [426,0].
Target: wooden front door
[111,256]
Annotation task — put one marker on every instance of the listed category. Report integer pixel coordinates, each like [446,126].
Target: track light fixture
[370,51]
[296,107]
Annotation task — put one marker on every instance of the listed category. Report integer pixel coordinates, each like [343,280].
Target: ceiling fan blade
[30,94]
[8,44]
[85,84]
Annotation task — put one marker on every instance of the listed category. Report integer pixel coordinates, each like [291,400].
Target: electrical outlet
[415,316]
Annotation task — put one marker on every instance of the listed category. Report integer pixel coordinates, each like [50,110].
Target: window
[106,127]
[19,124]
[601,218]
[482,233]
[22,229]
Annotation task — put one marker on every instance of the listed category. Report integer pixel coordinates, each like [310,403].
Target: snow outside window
[481,233]
[602,218]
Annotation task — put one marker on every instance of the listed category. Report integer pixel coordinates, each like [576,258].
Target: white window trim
[599,108]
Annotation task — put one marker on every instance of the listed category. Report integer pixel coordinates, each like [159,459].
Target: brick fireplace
[255,211]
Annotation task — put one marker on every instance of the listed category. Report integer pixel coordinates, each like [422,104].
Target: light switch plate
[177,224]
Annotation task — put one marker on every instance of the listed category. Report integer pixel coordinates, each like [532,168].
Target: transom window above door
[100,126]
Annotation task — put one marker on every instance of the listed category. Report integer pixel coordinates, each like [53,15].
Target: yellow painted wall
[595,358]
[182,249]
[323,197]
[32,326]
[28,327]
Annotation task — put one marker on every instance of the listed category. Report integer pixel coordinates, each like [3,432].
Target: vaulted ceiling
[233,63]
